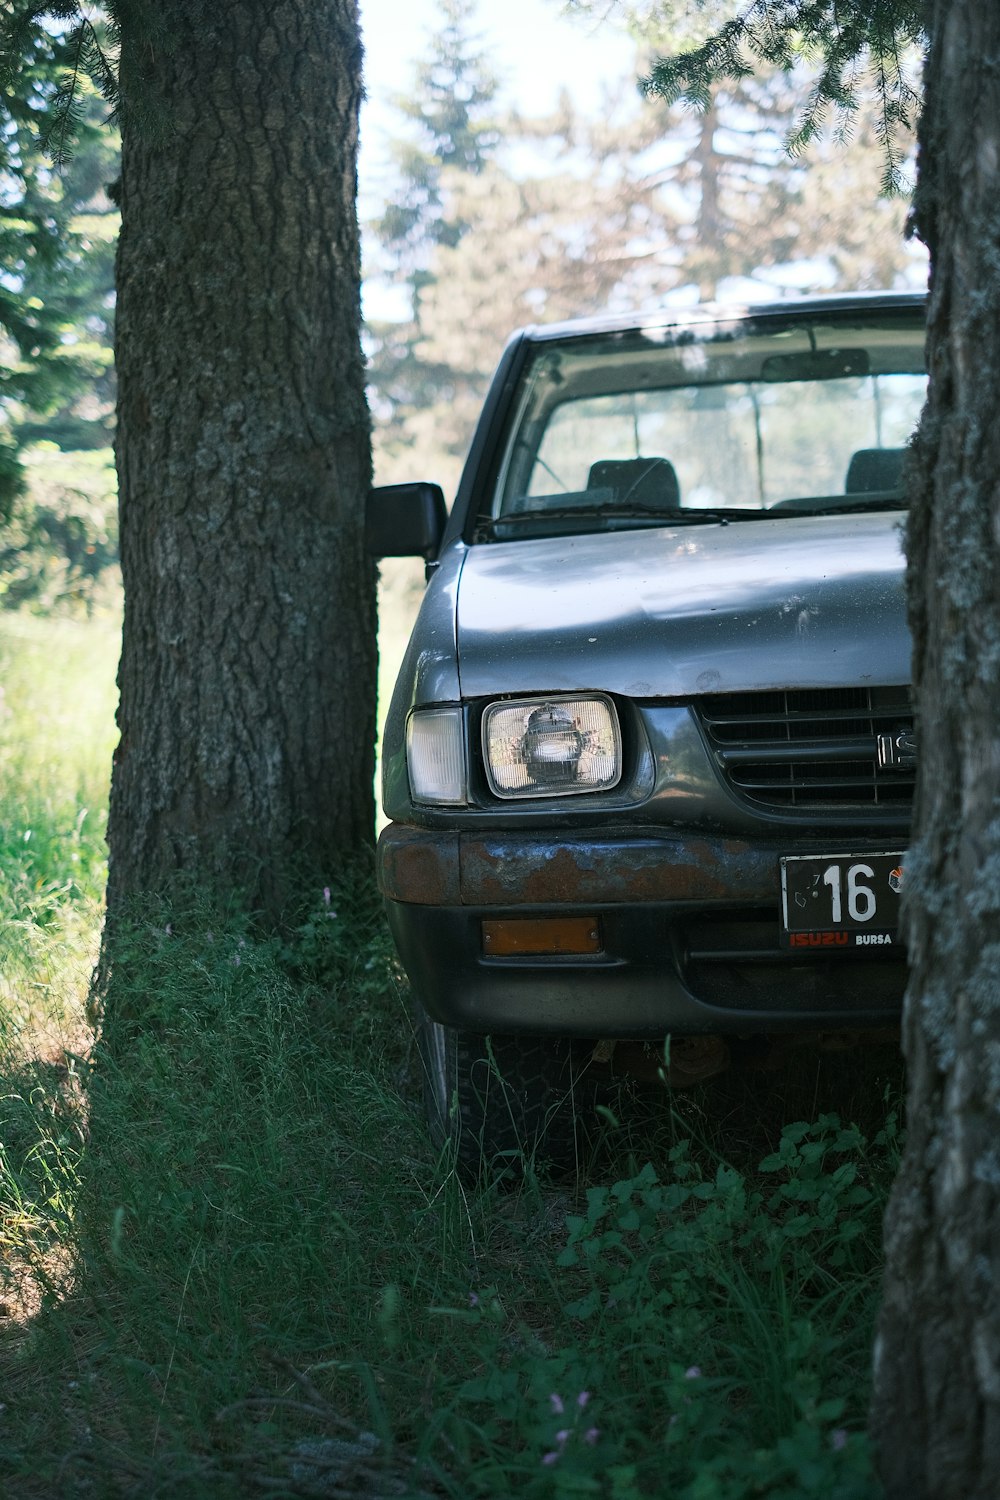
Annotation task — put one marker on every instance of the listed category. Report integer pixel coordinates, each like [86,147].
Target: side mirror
[405,520]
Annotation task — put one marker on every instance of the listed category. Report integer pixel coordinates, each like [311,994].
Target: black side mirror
[405,520]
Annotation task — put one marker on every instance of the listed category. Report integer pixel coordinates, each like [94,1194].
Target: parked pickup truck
[649,762]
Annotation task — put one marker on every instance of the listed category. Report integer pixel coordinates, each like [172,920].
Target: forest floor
[231,1262]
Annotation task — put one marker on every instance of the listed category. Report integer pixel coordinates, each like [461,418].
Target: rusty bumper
[429,867]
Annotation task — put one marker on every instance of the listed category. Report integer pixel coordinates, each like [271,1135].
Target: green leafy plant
[712,1323]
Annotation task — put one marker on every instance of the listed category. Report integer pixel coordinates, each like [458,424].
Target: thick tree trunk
[248,669]
[936,1413]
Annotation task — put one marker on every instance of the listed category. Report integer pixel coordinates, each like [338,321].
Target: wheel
[506,1102]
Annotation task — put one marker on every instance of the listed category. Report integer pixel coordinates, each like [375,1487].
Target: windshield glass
[728,422]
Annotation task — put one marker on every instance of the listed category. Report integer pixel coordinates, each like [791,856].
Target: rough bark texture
[936,1414]
[248,670]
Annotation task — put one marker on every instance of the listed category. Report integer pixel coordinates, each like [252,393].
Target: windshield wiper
[881,500]
[499,526]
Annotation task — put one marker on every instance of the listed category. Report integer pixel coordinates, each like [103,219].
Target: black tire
[507,1103]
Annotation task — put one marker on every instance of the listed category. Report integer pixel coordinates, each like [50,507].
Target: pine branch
[101,69]
[80,53]
[857,43]
[65,106]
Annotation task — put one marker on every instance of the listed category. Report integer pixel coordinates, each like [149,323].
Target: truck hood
[673,612]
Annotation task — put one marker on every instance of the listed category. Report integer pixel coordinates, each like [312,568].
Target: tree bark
[936,1411]
[248,667]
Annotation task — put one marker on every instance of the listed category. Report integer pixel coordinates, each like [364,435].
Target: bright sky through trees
[535,49]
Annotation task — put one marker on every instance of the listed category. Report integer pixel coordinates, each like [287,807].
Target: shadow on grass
[252,1275]
[242,1193]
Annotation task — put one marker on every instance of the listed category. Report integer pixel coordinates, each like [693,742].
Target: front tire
[506,1103]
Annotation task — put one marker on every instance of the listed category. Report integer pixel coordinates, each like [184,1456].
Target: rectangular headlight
[552,747]
[435,755]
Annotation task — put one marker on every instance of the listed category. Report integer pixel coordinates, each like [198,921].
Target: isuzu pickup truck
[649,762]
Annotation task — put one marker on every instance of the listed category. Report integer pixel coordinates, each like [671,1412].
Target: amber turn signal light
[511,936]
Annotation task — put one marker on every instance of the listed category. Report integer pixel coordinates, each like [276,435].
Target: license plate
[840,901]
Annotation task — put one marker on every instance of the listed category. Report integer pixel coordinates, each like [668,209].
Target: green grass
[57,698]
[232,1263]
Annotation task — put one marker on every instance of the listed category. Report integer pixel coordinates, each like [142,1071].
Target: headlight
[552,747]
[435,755]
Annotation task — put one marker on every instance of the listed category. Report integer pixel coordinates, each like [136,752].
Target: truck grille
[815,747]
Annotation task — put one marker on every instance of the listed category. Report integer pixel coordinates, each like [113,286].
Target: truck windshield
[734,421]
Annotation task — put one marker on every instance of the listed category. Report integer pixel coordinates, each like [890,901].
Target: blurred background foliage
[490,218]
[57,237]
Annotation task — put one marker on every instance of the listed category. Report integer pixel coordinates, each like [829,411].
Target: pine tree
[48,261]
[450,129]
[80,290]
[450,104]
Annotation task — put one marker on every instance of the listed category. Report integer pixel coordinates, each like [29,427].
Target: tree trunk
[708,257]
[936,1412]
[248,669]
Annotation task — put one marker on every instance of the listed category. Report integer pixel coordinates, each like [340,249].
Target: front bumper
[689,936]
